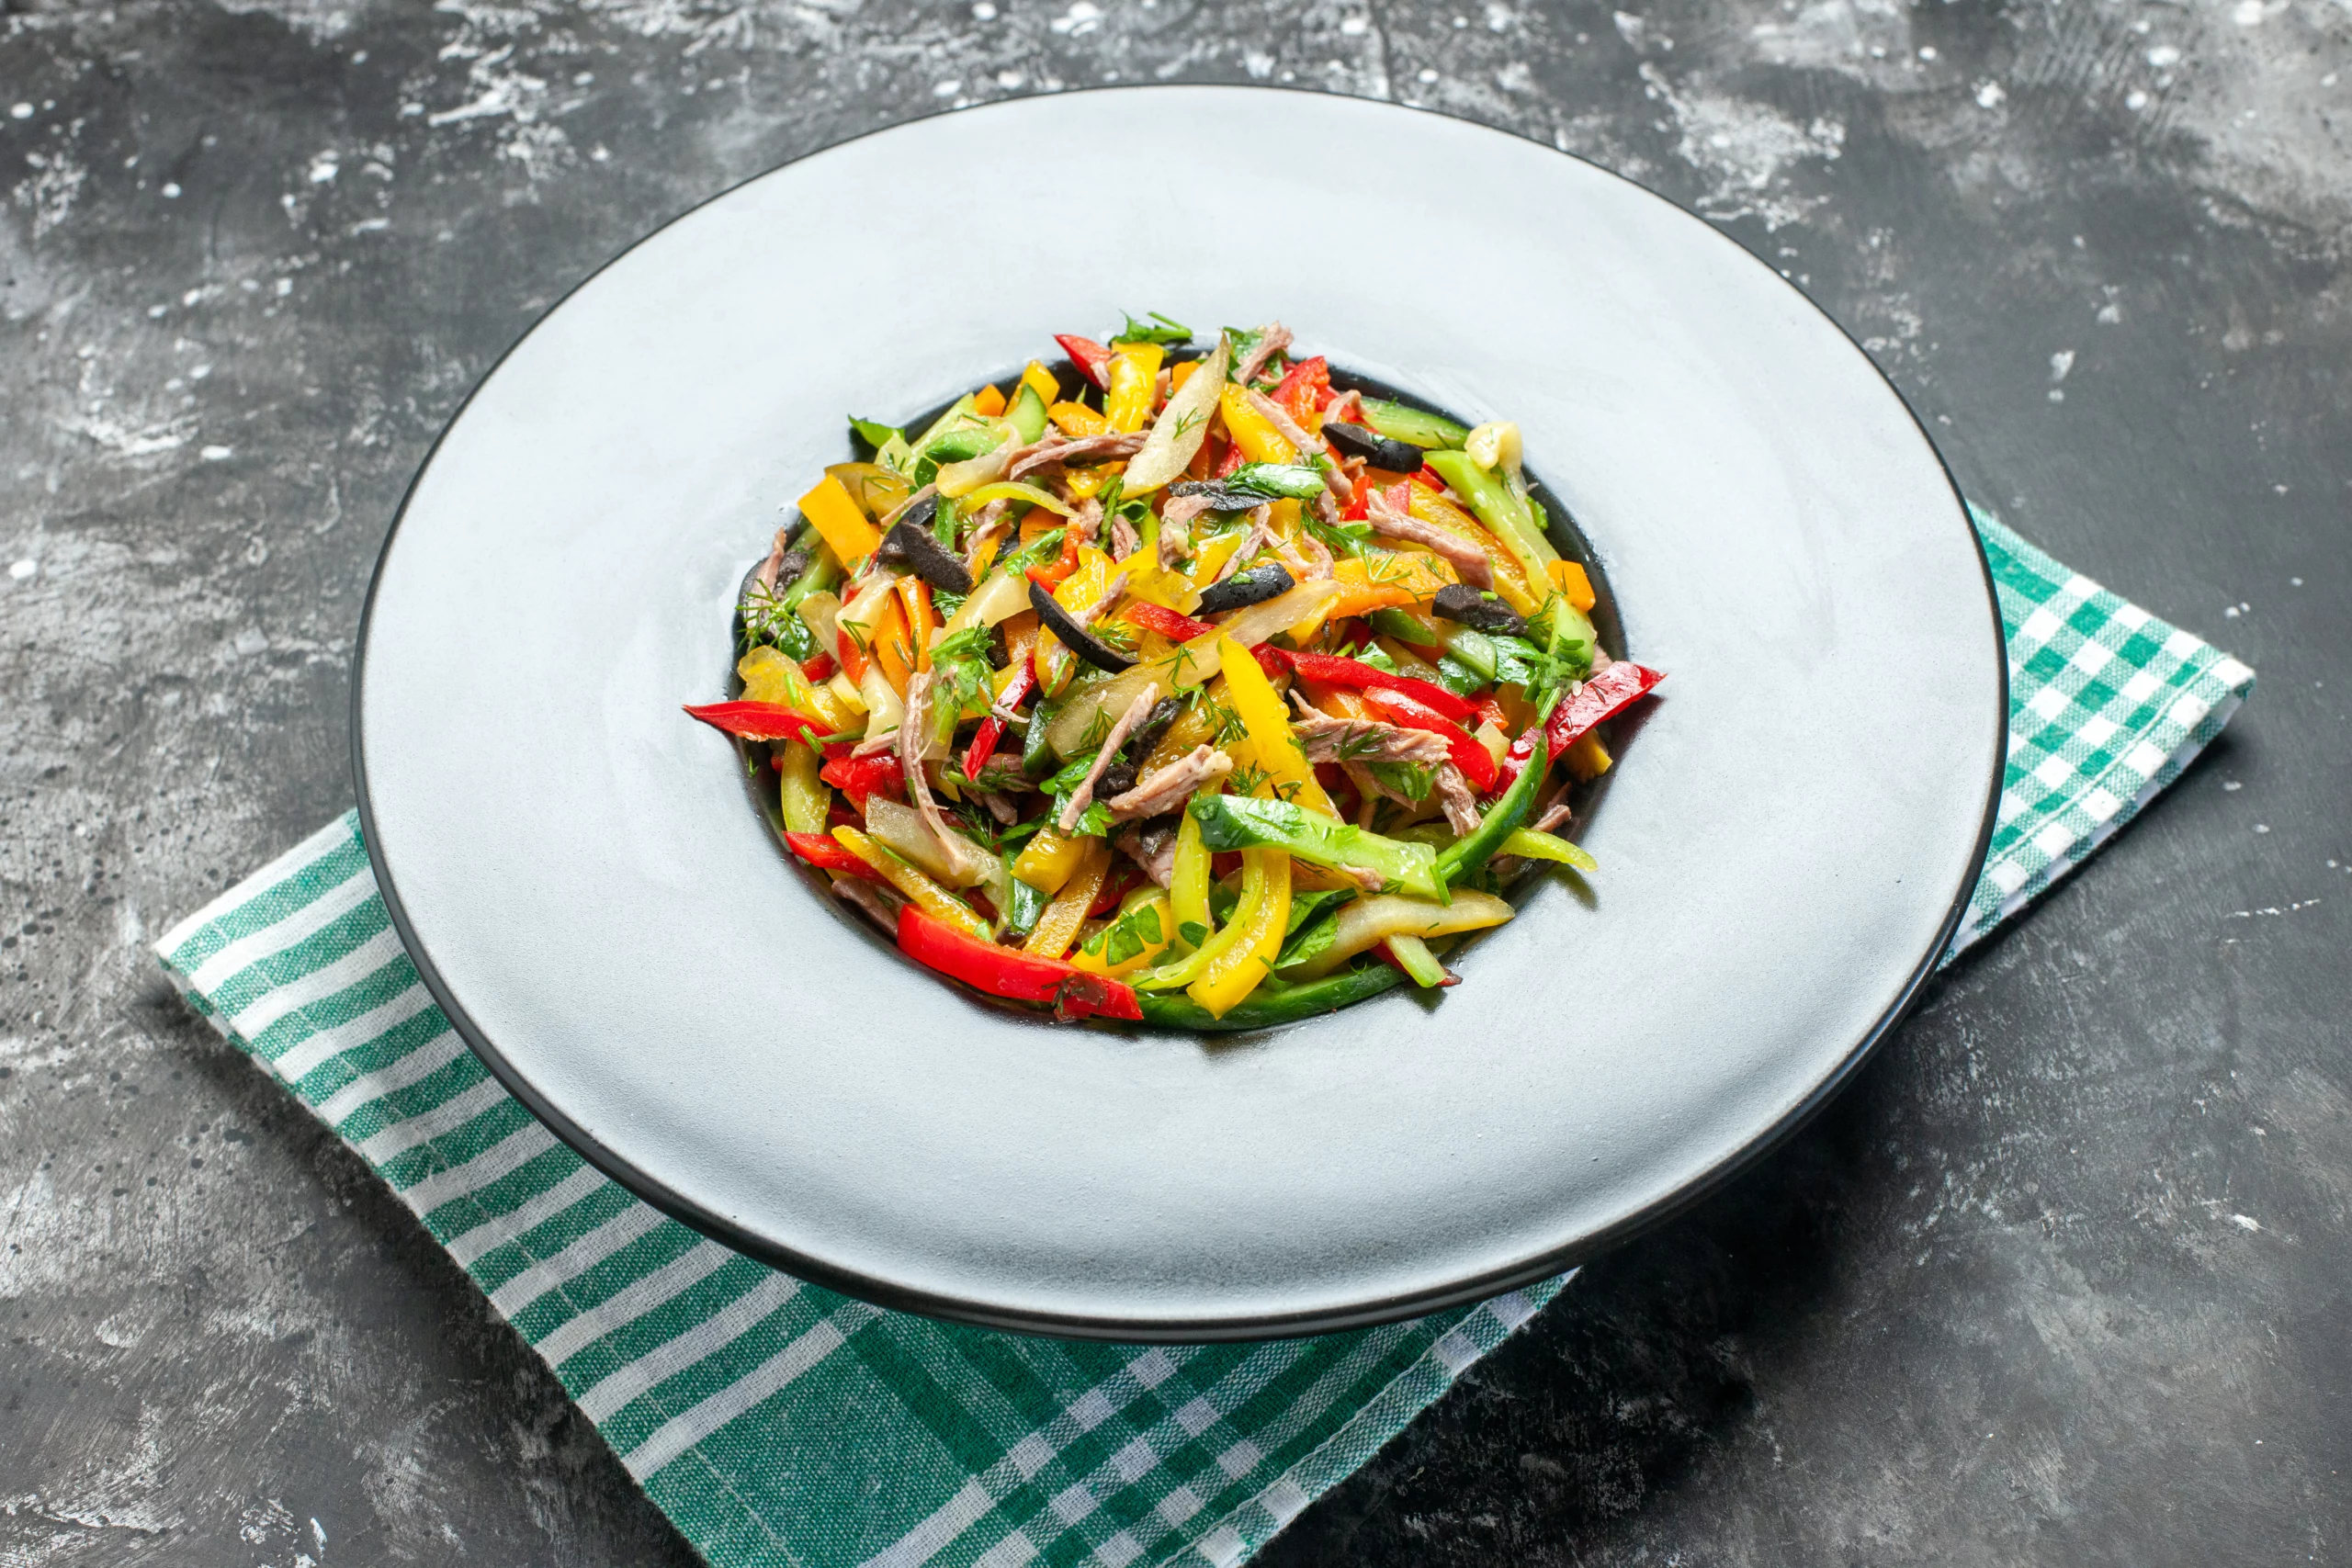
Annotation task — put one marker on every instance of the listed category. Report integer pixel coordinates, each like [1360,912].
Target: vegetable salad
[1176,685]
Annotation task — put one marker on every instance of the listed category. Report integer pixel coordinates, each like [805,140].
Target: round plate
[1784,849]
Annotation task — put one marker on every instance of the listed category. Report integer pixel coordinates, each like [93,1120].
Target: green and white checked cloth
[778,1423]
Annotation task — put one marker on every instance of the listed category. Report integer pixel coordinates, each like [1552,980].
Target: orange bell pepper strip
[987,401]
[1569,578]
[914,601]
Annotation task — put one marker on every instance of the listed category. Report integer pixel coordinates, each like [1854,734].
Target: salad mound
[1176,687]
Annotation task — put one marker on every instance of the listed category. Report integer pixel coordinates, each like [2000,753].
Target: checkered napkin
[778,1423]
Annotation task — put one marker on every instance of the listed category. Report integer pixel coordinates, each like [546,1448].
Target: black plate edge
[1214,1330]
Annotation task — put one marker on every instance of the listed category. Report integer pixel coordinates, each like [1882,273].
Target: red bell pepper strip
[1492,712]
[820,667]
[1168,623]
[1614,688]
[1234,458]
[1427,479]
[1302,386]
[858,777]
[1354,673]
[1271,659]
[1515,761]
[825,852]
[1012,973]
[1361,507]
[991,728]
[1476,763]
[1088,355]
[758,721]
[1053,574]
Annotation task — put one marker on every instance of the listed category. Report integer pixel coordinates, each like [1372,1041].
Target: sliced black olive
[910,544]
[1255,586]
[1396,457]
[1075,637]
[1120,775]
[1467,606]
[1221,496]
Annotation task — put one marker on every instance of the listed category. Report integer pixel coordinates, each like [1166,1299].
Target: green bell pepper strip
[1419,426]
[1500,511]
[1240,822]
[1421,965]
[1506,817]
[1266,1007]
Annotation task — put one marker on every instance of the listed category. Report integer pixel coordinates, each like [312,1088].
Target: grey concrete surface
[2061,1279]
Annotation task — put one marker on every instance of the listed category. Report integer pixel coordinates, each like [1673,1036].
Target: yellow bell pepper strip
[1017,977]
[926,895]
[1273,746]
[1528,844]
[1040,380]
[1185,971]
[1183,424]
[1251,431]
[1085,483]
[990,402]
[1058,926]
[805,799]
[1138,933]
[838,520]
[1076,420]
[1135,377]
[1249,958]
[1188,891]
[1194,664]
[1499,510]
[1589,758]
[1369,921]
[1569,578]
[1048,861]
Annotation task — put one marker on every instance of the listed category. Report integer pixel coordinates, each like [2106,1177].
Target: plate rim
[1241,1327]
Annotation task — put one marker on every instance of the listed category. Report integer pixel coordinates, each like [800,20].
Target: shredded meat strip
[1049,452]
[1348,404]
[1088,524]
[870,898]
[1172,785]
[1124,540]
[1454,794]
[1152,848]
[1336,482]
[1176,515]
[1272,338]
[1346,741]
[1467,558]
[1084,796]
[1307,557]
[1261,534]
[910,731]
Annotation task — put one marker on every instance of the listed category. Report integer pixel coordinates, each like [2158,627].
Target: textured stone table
[2063,1279]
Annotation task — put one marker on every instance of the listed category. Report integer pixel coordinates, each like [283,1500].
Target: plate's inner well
[1584,796]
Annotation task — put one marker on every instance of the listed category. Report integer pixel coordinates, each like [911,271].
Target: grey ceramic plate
[584,883]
